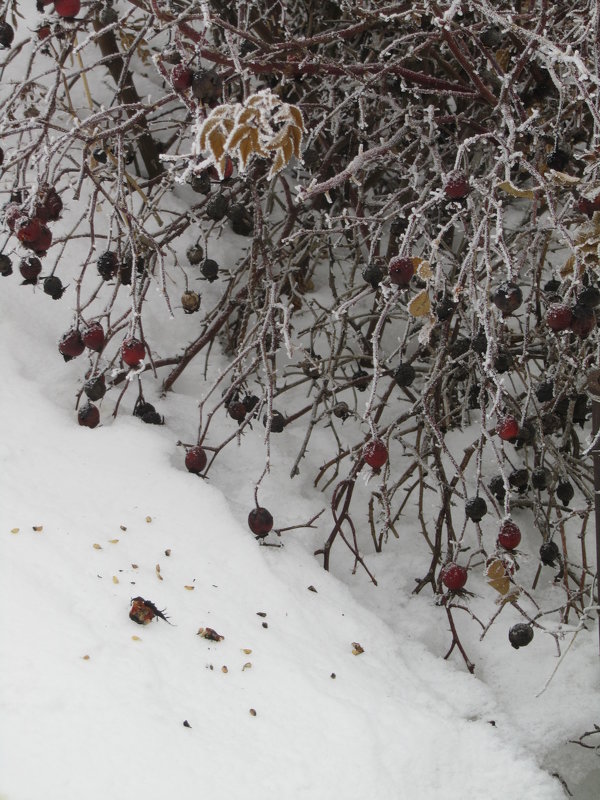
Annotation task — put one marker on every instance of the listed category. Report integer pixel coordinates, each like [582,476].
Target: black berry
[520,635]
[404,375]
[565,492]
[549,553]
[476,508]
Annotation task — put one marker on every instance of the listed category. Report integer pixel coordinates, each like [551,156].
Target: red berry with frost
[67,8]
[132,351]
[88,416]
[509,536]
[196,459]
[93,337]
[181,77]
[507,429]
[457,186]
[260,522]
[375,453]
[401,270]
[237,410]
[30,268]
[71,345]
[507,297]
[12,216]
[28,229]
[558,317]
[454,576]
[42,244]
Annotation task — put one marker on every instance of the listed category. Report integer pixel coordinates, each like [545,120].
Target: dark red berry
[107,265]
[507,297]
[12,216]
[181,77]
[250,402]
[42,244]
[237,411]
[583,320]
[558,317]
[540,478]
[549,553]
[30,268]
[404,375]
[52,204]
[67,8]
[519,479]
[7,34]
[373,275]
[520,635]
[71,345]
[565,492]
[28,229]
[278,422]
[457,186]
[401,270]
[53,286]
[196,459]
[509,536]
[88,416]
[241,219]
[93,337]
[260,522]
[95,388]
[375,453]
[476,508]
[454,576]
[557,159]
[507,429]
[132,351]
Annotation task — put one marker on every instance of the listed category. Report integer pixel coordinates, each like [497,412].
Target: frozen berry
[583,321]
[7,34]
[12,216]
[444,308]
[557,159]
[206,85]
[260,522]
[195,254]
[200,182]
[107,265]
[241,219]
[196,459]
[507,429]
[5,265]
[153,418]
[552,286]
[520,635]
[30,269]
[476,508]
[93,337]
[141,407]
[361,380]
[341,410]
[278,422]
[237,411]
[503,362]
[545,391]
[67,8]
[507,297]
[53,286]
[540,478]
[586,206]
[190,302]
[50,205]
[88,416]
[181,77]
[404,375]
[42,244]
[457,186]
[108,16]
[565,491]
[28,229]
[132,351]
[519,479]
[250,402]
[549,553]
[373,275]
[509,536]
[210,270]
[71,345]
[95,388]
[216,208]
[401,270]
[589,297]
[479,343]
[558,317]
[497,488]
[375,453]
[453,576]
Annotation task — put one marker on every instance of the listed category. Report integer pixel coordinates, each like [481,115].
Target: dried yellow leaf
[507,186]
[563,179]
[97,546]
[216,145]
[246,650]
[296,115]
[424,270]
[420,305]
[115,579]
[15,530]
[247,665]
[496,569]
[136,638]
[113,541]
[501,585]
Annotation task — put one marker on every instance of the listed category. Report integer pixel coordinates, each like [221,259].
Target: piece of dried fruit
[143,611]
[209,633]
[357,649]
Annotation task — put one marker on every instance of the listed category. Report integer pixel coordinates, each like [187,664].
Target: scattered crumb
[38,528]
[261,614]
[136,638]
[97,546]
[158,575]
[168,552]
[357,649]
[252,712]
[224,669]
[135,566]
[189,588]
[115,579]
[265,624]
[14,530]
[246,650]
[85,658]
[148,519]
[186,724]
[247,665]
[113,541]
[123,527]
[311,588]
[209,633]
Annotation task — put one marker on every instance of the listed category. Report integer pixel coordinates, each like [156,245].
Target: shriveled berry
[30,268]
[375,453]
[503,362]
[107,265]
[401,270]
[240,219]
[5,265]
[545,391]
[93,337]
[250,402]
[361,380]
[507,429]
[7,34]
[549,554]
[454,576]
[141,407]
[50,206]
[260,522]
[153,418]
[53,286]
[519,479]
[476,508]
[404,375]
[95,388]
[373,275]
[552,286]
[278,422]
[586,206]
[132,351]
[507,297]
[200,182]
[190,302]
[28,229]
[196,459]
[479,343]
[42,244]
[341,410]
[551,423]
[195,254]
[496,486]
[509,536]
[237,411]
[557,159]
[71,345]
[216,208]
[181,77]
[460,346]
[540,478]
[210,270]
[67,8]
[520,635]
[108,16]
[558,317]
[457,186]
[583,321]
[444,308]
[565,491]
[206,85]
[589,297]
[88,416]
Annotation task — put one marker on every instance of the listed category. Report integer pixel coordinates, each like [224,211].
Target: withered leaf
[420,305]
[97,546]
[357,649]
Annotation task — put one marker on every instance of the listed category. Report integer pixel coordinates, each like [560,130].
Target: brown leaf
[507,186]
[97,546]
[38,528]
[420,305]
[209,633]
[357,649]
[501,585]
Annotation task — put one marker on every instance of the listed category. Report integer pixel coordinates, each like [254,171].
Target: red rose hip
[457,186]
[67,8]
[509,536]
[196,460]
[260,522]
[558,317]
[375,453]
[93,337]
[507,429]
[71,345]
[133,351]
[88,416]
[401,270]
[454,576]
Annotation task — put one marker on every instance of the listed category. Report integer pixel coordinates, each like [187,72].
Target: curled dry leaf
[14,530]
[97,546]
[357,649]
[115,579]
[507,186]
[209,633]
[246,651]
[113,541]
[38,528]
[420,305]
[247,665]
